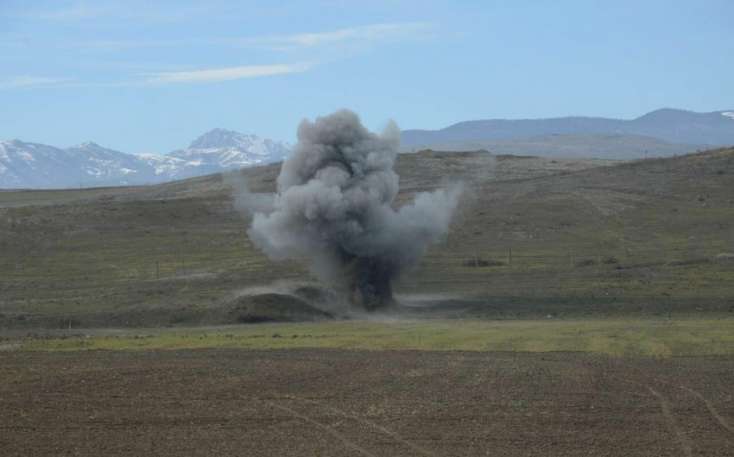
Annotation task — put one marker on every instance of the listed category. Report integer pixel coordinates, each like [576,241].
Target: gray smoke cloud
[334,206]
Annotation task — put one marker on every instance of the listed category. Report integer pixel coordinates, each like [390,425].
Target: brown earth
[356,403]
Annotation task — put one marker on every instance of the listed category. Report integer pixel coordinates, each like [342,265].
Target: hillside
[534,237]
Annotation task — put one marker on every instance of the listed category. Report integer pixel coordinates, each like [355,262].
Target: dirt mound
[314,294]
[274,307]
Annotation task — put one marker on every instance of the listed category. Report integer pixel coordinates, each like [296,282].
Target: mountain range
[32,165]
[662,132]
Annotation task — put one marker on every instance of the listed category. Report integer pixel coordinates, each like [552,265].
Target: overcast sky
[142,78]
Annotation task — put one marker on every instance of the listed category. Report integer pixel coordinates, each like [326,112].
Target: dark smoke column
[334,207]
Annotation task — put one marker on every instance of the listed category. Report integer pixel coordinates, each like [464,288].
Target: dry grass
[121,258]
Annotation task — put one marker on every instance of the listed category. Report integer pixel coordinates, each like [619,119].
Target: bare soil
[362,403]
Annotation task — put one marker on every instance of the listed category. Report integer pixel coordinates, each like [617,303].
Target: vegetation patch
[617,337]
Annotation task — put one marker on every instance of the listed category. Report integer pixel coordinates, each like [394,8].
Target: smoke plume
[334,206]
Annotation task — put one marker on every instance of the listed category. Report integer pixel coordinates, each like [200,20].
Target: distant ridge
[661,133]
[32,165]
[674,131]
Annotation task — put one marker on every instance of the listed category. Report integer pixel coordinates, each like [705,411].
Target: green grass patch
[617,337]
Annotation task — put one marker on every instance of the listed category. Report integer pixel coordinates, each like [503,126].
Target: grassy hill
[651,236]
[534,237]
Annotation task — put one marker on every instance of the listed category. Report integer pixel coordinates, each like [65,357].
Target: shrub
[479,262]
[586,263]
[683,263]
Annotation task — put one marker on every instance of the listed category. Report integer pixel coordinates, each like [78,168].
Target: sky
[141,76]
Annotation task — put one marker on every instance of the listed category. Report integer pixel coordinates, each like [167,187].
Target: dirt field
[308,402]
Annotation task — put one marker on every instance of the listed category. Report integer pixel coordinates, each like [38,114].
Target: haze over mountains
[31,165]
[661,133]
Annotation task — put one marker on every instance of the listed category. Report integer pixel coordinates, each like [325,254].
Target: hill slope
[533,237]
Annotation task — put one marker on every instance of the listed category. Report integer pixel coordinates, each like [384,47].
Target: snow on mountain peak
[34,165]
[221,138]
[227,149]
[89,146]
[729,114]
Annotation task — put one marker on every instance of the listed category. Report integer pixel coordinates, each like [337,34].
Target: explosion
[334,206]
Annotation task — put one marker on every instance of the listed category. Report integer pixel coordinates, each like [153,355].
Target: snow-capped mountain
[106,166]
[221,149]
[31,165]
[41,166]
